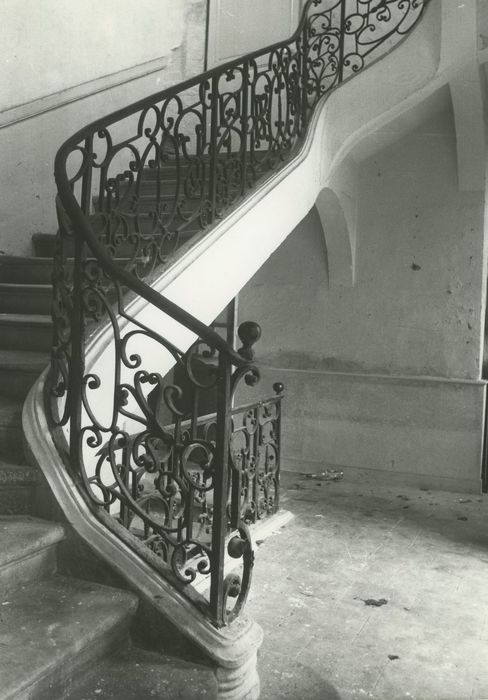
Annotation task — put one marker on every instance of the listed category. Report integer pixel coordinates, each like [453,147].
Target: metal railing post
[221,491]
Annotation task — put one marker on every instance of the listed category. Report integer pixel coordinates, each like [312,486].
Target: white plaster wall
[415,308]
[49,46]
[378,429]
[27,189]
[354,108]
[368,368]
[237,28]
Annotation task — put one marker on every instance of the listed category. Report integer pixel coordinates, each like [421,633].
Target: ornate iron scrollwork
[134,187]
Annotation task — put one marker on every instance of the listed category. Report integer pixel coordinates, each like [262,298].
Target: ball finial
[249,333]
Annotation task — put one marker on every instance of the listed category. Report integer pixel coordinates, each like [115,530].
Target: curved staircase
[116,228]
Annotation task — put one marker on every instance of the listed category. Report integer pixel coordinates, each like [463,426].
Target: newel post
[249,333]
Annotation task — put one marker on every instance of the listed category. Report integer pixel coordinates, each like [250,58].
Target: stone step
[45,243]
[166,171]
[18,371]
[25,298]
[147,204]
[11,436]
[19,269]
[27,551]
[137,674]
[187,218]
[18,484]
[31,332]
[168,184]
[151,192]
[53,629]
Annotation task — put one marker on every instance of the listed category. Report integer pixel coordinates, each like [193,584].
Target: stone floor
[374,592]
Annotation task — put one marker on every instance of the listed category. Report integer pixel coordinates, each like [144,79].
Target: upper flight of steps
[167,198]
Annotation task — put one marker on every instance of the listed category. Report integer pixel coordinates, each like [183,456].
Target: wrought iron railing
[133,188]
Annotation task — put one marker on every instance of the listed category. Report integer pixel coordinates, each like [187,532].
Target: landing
[425,553]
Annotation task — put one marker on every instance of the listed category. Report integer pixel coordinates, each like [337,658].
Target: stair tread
[23,360]
[16,474]
[138,674]
[22,536]
[46,626]
[10,406]
[24,287]
[20,268]
[21,259]
[35,319]
[39,260]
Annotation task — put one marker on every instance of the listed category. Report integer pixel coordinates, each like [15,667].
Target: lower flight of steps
[63,638]
[60,637]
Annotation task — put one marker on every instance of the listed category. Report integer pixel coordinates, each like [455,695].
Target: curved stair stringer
[443,44]
[208,275]
[379,95]
[240,245]
[246,238]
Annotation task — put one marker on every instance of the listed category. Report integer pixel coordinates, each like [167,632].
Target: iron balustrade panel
[154,175]
[255,460]
[133,188]
[134,439]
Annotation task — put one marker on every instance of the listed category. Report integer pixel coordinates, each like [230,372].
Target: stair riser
[150,187]
[21,336]
[15,500]
[148,206]
[11,441]
[35,302]
[16,384]
[146,226]
[56,684]
[27,272]
[37,566]
[45,248]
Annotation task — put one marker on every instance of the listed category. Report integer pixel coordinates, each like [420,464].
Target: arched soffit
[467,101]
[463,31]
[337,238]
[458,100]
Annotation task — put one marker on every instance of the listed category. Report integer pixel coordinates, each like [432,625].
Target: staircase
[211,476]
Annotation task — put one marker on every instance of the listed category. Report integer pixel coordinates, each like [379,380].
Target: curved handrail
[80,220]
[244,121]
